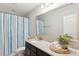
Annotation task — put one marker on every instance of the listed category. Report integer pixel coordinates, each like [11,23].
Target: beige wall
[77,5]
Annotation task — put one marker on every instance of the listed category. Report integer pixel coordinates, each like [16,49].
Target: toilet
[19,52]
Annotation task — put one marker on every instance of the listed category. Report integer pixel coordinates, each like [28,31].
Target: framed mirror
[58,21]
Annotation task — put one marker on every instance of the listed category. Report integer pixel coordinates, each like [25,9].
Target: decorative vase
[64,46]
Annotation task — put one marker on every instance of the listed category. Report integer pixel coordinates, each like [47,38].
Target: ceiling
[19,9]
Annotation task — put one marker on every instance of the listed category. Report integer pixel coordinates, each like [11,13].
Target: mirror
[58,21]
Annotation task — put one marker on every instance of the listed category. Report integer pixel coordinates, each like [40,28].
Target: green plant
[64,39]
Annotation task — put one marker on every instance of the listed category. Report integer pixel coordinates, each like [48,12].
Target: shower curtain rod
[6,12]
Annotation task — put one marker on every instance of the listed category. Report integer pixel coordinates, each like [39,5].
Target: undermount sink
[40,42]
[35,41]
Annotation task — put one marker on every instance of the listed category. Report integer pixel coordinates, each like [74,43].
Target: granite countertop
[44,46]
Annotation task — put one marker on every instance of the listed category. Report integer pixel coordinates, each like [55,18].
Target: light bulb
[42,5]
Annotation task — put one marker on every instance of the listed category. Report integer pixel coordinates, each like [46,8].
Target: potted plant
[64,40]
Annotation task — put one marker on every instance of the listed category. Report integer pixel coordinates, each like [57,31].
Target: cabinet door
[32,53]
[27,52]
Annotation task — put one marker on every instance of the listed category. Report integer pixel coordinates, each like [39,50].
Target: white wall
[54,19]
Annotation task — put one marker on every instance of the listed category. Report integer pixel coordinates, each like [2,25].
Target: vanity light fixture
[47,4]
[43,5]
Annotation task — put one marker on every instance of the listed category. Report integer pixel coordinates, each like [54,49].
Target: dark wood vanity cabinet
[31,50]
[27,52]
[41,53]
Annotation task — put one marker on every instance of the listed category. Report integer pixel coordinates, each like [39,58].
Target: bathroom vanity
[42,48]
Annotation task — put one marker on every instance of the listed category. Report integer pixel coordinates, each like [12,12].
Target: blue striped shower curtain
[13,31]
